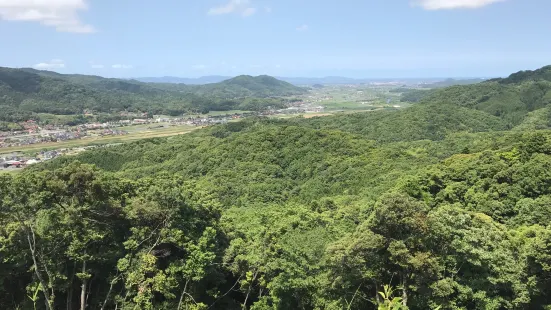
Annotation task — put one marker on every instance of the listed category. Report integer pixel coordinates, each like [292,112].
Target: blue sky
[355,38]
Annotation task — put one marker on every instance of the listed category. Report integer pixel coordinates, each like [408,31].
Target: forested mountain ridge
[263,85]
[543,73]
[511,102]
[437,206]
[510,99]
[190,81]
[433,121]
[27,91]
[310,215]
[239,87]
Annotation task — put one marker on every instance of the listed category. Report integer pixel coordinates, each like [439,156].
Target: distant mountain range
[329,80]
[190,81]
[25,92]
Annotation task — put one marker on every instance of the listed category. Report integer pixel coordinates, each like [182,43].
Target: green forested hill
[309,215]
[543,73]
[510,98]
[438,206]
[246,86]
[508,101]
[422,121]
[27,91]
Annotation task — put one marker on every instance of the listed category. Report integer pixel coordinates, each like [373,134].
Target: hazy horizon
[374,78]
[354,38]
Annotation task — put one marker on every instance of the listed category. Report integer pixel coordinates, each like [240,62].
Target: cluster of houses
[33,133]
[49,134]
[20,161]
[204,120]
[44,137]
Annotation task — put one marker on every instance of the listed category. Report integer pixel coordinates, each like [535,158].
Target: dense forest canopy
[438,206]
[510,98]
[27,91]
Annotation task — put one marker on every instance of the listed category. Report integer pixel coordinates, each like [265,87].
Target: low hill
[510,99]
[27,91]
[190,81]
[452,82]
[247,86]
[543,73]
[511,102]
[423,121]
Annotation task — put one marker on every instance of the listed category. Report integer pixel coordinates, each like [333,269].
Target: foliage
[414,95]
[432,121]
[510,102]
[389,302]
[439,201]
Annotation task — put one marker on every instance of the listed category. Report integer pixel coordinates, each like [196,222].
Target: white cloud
[302,28]
[52,64]
[268,9]
[241,7]
[61,14]
[199,67]
[278,66]
[248,12]
[453,4]
[119,66]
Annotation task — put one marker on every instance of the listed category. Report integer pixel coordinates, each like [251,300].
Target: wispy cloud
[453,4]
[303,28]
[120,66]
[199,67]
[248,12]
[61,14]
[52,64]
[241,7]
[268,9]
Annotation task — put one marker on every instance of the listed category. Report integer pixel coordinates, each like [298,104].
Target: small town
[33,132]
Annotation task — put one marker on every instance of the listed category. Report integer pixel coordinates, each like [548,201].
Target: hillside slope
[431,121]
[511,98]
[543,73]
[247,86]
[293,214]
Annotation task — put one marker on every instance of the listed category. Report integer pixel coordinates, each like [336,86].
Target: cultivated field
[132,136]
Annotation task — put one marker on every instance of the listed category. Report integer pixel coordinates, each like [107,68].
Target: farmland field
[133,136]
